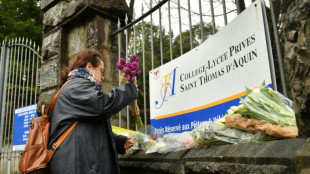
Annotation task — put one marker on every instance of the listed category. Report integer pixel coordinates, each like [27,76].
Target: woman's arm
[87,102]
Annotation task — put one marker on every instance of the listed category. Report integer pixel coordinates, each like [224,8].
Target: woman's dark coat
[91,147]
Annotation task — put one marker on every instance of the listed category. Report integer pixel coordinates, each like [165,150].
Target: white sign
[203,83]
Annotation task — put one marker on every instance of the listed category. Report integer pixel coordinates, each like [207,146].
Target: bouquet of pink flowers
[129,72]
[129,69]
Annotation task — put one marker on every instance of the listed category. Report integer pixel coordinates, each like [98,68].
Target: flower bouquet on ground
[211,133]
[129,71]
[141,140]
[264,110]
[172,142]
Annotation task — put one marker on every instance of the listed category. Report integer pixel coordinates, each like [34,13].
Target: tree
[21,18]
[196,34]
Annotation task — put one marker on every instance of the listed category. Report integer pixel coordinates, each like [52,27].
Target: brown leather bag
[36,155]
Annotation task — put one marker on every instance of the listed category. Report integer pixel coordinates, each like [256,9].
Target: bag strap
[62,137]
[66,133]
[53,102]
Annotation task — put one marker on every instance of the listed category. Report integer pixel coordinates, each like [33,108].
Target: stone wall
[296,27]
[72,26]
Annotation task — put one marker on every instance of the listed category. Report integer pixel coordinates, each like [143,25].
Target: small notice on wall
[22,120]
[206,81]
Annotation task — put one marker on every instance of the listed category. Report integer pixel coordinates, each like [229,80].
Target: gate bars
[20,60]
[179,18]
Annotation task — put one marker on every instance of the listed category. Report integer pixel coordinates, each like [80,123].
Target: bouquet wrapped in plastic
[210,133]
[172,142]
[264,110]
[267,105]
[207,133]
[141,140]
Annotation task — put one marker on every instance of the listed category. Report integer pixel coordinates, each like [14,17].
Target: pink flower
[189,142]
[122,61]
[133,73]
[153,136]
[128,65]
[130,69]
[138,73]
[120,66]
[134,66]
[126,70]
[130,78]
[133,58]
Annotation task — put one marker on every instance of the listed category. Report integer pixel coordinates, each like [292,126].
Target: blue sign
[22,120]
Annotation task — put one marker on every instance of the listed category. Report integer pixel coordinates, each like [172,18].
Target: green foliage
[197,38]
[264,104]
[21,18]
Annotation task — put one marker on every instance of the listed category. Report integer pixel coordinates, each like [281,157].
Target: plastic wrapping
[266,105]
[141,140]
[264,110]
[172,142]
[209,133]
[288,103]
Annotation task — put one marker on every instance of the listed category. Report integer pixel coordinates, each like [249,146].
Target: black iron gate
[20,61]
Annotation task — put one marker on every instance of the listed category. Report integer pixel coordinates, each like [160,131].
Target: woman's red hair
[80,62]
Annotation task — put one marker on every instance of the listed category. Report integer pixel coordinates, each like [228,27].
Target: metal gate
[20,60]
[155,29]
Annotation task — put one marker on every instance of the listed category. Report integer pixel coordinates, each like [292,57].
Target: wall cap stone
[276,156]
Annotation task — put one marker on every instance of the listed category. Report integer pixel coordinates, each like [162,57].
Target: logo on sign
[167,88]
[156,73]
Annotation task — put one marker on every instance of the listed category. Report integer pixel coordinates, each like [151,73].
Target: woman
[91,147]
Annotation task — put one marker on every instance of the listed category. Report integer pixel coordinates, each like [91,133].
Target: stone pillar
[72,26]
[296,26]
